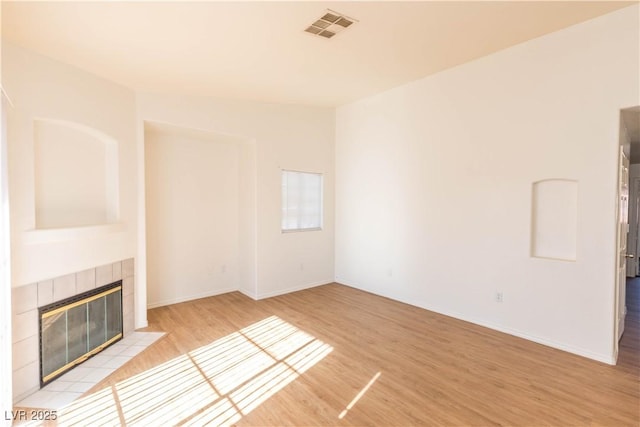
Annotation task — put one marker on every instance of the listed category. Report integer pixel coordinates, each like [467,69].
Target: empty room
[301,213]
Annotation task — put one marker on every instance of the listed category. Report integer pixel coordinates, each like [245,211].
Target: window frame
[282,201]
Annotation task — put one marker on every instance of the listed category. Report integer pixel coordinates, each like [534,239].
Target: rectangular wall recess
[554,219]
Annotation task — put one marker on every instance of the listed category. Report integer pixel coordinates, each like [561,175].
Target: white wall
[247,232]
[193,214]
[45,89]
[6,390]
[433,179]
[281,137]
[287,137]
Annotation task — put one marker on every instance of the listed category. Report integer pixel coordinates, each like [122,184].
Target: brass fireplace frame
[66,305]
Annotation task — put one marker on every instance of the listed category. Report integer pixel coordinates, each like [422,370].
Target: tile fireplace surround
[27,299]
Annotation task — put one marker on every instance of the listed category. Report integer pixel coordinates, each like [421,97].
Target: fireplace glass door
[75,329]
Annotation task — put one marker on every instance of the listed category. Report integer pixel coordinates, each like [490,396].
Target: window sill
[301,230]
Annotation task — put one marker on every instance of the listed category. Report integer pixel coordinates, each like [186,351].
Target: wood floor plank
[422,368]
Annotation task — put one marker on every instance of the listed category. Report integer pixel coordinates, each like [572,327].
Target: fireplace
[26,300]
[74,329]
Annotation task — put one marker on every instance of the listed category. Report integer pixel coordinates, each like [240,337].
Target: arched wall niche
[76,175]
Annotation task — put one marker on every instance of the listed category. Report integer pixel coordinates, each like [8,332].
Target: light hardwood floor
[408,366]
[433,370]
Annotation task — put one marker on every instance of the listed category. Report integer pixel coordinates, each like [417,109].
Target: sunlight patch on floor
[359,395]
[97,409]
[218,383]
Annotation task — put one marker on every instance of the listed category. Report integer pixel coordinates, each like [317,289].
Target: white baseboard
[249,294]
[142,325]
[190,297]
[25,394]
[243,291]
[293,289]
[608,359]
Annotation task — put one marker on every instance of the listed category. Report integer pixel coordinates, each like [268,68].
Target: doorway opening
[628,253]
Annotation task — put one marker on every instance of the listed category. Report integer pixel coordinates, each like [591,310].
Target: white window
[301,201]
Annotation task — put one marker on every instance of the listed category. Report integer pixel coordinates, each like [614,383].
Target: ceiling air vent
[330,24]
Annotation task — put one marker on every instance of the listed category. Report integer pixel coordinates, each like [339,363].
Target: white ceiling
[259,51]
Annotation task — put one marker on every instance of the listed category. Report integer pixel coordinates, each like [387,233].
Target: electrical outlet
[499,296]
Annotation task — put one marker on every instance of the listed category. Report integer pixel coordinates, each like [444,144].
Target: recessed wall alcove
[76,175]
[200,190]
[554,219]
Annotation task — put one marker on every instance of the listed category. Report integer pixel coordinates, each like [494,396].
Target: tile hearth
[76,382]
